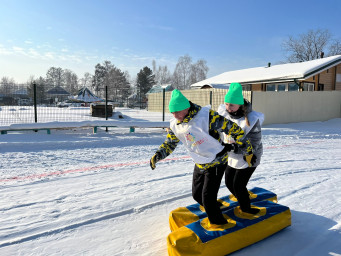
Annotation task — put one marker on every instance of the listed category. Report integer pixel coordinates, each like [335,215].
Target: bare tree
[335,48]
[310,45]
[182,72]
[7,85]
[86,80]
[162,74]
[54,77]
[198,71]
[71,81]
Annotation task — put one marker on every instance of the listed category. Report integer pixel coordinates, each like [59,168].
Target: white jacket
[201,146]
[252,132]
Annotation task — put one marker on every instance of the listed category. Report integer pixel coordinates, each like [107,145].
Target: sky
[79,34]
[73,192]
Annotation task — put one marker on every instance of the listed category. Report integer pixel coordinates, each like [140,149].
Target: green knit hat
[235,94]
[178,102]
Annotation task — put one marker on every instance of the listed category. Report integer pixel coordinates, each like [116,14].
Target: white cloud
[49,55]
[4,51]
[33,53]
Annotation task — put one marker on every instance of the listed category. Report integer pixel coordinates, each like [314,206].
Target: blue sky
[78,34]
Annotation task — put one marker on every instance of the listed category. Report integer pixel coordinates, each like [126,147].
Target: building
[57,94]
[316,75]
[159,88]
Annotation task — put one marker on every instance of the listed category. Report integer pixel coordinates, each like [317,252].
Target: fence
[292,107]
[22,104]
[278,107]
[158,102]
[27,104]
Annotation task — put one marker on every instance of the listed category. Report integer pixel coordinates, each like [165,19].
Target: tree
[144,82]
[40,89]
[86,81]
[55,77]
[335,48]
[162,74]
[186,73]
[71,81]
[182,72]
[115,80]
[198,71]
[7,85]
[310,46]
[98,79]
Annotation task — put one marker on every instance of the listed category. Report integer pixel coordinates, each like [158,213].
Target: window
[308,86]
[321,87]
[247,87]
[270,87]
[281,87]
[292,87]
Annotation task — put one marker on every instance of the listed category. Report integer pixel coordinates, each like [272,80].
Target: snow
[77,193]
[273,73]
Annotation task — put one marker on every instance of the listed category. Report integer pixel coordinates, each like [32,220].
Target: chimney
[269,64]
[321,55]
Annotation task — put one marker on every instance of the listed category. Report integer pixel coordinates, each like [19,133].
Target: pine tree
[144,82]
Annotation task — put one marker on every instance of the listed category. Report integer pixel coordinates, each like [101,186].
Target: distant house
[159,88]
[21,97]
[57,94]
[316,75]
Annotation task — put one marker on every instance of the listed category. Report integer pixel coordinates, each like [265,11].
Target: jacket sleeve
[255,137]
[169,145]
[220,124]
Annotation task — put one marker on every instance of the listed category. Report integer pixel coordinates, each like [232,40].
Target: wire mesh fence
[32,104]
[28,103]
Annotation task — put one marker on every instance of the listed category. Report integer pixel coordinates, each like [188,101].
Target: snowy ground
[77,193]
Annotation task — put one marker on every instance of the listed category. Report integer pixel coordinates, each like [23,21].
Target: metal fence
[20,104]
[32,104]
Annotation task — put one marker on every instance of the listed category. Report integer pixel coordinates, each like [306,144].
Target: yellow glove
[155,158]
[250,159]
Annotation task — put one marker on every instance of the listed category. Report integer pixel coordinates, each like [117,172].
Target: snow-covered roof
[159,88]
[217,86]
[275,73]
[58,90]
[22,91]
[85,95]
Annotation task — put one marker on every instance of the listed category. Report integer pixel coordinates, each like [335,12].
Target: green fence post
[106,105]
[163,103]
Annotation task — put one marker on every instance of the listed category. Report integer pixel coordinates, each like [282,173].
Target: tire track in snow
[94,218]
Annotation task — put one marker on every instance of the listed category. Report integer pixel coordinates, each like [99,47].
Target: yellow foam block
[183,216]
[202,238]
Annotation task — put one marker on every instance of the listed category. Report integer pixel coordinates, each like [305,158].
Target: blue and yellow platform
[192,234]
